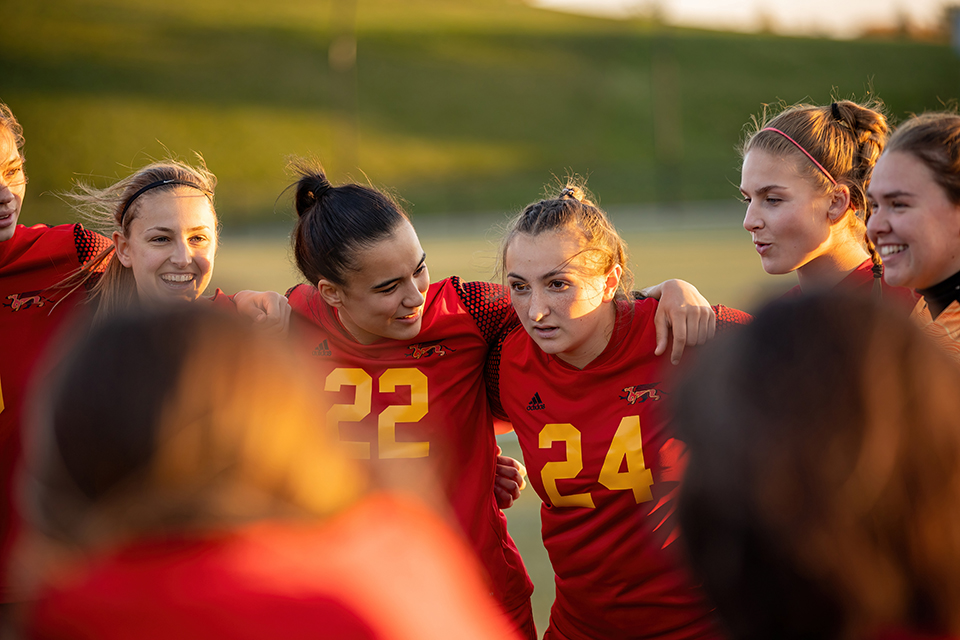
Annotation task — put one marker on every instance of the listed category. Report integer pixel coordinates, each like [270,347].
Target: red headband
[805,152]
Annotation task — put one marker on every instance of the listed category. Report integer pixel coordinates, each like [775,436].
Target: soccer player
[804,178]
[916,219]
[402,361]
[165,235]
[184,491]
[585,392]
[32,260]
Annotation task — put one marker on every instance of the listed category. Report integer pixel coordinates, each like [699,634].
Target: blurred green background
[464,108]
[459,106]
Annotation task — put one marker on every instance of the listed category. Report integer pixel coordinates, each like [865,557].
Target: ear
[612,283]
[839,203]
[123,249]
[331,293]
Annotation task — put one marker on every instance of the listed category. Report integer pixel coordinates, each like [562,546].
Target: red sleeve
[489,304]
[727,317]
[222,301]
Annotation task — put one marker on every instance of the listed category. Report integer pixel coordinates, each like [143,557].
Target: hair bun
[311,187]
[572,192]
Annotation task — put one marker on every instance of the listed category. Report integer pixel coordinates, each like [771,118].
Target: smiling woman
[164,229]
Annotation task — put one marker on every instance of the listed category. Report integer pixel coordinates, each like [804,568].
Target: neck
[591,350]
[829,268]
[942,295]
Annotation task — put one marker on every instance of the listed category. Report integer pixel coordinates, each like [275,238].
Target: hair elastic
[805,152]
[154,185]
[835,111]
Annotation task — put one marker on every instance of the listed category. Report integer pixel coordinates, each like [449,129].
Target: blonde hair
[111,209]
[573,209]
[186,418]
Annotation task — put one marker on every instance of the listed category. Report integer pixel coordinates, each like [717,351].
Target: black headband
[154,185]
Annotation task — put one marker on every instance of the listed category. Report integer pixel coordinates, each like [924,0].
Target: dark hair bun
[311,187]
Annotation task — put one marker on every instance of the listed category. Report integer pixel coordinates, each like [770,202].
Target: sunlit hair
[572,209]
[934,138]
[822,492]
[334,223]
[103,210]
[183,419]
[845,137]
[9,122]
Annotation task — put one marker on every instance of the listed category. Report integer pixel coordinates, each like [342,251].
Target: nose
[877,224]
[413,297]
[182,254]
[752,221]
[6,195]
[538,308]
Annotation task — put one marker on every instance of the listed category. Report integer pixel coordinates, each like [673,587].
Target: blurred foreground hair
[822,495]
[181,419]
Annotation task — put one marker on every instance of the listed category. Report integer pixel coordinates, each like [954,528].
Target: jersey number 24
[626,450]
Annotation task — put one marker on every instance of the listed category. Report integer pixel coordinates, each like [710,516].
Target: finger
[511,474]
[679,342]
[507,461]
[509,486]
[504,499]
[662,327]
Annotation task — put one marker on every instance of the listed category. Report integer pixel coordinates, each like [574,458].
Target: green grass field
[460,105]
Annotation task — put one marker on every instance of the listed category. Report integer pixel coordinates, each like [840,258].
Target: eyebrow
[387,283]
[766,189]
[545,276]
[13,162]
[168,230]
[891,194]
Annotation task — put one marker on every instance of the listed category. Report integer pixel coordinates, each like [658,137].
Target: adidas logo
[535,404]
[322,350]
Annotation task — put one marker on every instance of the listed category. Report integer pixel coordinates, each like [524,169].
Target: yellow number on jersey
[389,417]
[627,443]
[413,412]
[569,468]
[355,412]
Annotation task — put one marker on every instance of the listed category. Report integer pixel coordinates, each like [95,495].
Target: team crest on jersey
[641,393]
[427,349]
[322,350]
[25,300]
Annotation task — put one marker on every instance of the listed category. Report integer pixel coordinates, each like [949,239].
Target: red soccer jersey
[31,262]
[603,459]
[411,406]
[385,569]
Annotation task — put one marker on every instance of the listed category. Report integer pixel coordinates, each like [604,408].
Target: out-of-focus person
[177,485]
[822,492]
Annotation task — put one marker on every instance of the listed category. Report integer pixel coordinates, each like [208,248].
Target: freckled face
[787,214]
[914,225]
[170,245]
[13,184]
[384,297]
[559,294]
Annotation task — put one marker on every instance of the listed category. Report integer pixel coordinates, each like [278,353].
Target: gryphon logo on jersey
[25,300]
[427,349]
[641,393]
[535,404]
[322,350]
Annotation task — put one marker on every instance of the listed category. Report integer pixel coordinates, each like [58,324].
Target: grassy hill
[459,105]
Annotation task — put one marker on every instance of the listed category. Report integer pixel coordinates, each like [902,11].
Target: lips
[413,317]
[762,247]
[177,279]
[545,331]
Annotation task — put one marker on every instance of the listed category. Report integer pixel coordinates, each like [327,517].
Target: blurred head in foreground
[178,420]
[822,496]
